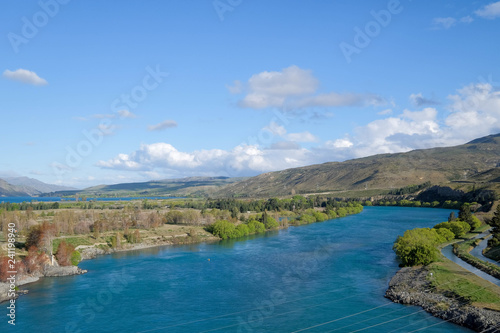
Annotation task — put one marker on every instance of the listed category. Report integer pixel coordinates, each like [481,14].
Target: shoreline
[88,253]
[411,286]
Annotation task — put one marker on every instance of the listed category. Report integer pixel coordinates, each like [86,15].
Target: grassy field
[453,280]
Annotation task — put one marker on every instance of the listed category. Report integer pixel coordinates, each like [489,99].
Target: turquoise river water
[322,277]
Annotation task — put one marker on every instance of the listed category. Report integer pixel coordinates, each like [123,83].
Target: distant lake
[328,277]
[51,199]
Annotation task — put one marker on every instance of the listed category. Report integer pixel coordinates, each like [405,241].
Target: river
[322,277]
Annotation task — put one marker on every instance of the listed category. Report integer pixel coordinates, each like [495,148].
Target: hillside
[471,163]
[33,186]
[198,186]
[9,190]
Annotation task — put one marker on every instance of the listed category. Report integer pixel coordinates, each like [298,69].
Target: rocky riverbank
[411,286]
[90,252]
[48,271]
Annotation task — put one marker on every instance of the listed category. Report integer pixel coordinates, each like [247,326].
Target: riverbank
[89,252]
[431,288]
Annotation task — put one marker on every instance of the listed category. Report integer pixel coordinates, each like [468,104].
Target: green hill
[459,166]
[196,186]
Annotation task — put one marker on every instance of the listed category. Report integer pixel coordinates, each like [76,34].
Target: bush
[320,217]
[458,227]
[446,234]
[76,257]
[242,230]
[475,223]
[224,229]
[418,247]
[331,214]
[306,218]
[271,223]
[256,227]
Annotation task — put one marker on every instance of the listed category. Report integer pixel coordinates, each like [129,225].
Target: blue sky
[102,92]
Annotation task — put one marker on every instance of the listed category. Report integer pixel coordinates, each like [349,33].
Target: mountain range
[474,164]
[24,186]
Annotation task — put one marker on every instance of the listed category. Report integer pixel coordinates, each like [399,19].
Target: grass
[75,241]
[453,280]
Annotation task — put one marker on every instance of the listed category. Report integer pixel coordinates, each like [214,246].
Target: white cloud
[385,112]
[271,89]
[339,143]
[294,88]
[276,129]
[165,159]
[466,19]
[490,11]
[302,137]
[126,114]
[25,76]
[444,22]
[419,100]
[334,99]
[163,125]
[474,111]
[285,145]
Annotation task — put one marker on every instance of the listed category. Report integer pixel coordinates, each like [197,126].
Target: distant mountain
[199,186]
[24,186]
[35,186]
[464,165]
[9,190]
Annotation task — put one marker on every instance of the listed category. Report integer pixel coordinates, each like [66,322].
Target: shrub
[446,234]
[306,218]
[418,247]
[475,223]
[320,217]
[76,257]
[271,223]
[256,227]
[224,229]
[242,230]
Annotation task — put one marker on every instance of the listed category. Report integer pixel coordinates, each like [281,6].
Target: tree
[224,229]
[270,223]
[64,252]
[452,217]
[418,247]
[495,223]
[465,214]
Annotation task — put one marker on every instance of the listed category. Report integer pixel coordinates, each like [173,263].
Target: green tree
[224,229]
[256,227]
[495,223]
[465,214]
[271,223]
[418,247]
